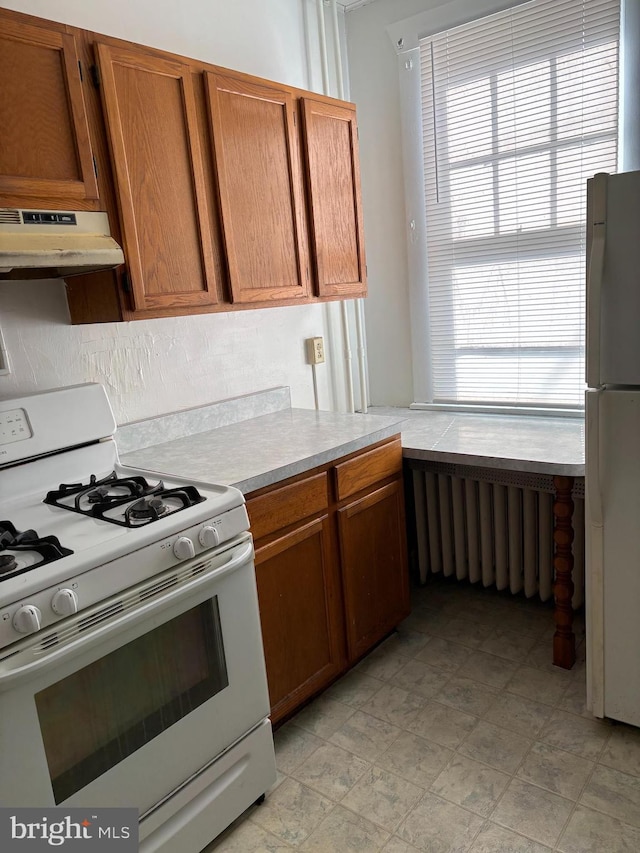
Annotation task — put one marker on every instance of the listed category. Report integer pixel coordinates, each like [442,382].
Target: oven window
[96,717]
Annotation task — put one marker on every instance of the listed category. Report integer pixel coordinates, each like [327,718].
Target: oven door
[124,702]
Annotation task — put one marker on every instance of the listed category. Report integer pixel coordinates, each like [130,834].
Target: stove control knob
[209,537]
[184,548]
[27,619]
[64,602]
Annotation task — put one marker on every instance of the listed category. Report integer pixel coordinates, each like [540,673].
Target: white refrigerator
[613,447]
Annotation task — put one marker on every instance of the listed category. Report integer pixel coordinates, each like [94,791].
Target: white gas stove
[128,617]
[65,515]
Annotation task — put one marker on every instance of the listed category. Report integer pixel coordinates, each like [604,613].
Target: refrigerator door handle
[594,571]
[595,271]
[594,486]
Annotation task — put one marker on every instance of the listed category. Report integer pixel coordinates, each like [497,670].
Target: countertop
[542,445]
[264,450]
[258,440]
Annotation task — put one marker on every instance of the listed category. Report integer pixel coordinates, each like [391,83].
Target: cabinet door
[153,134]
[45,152]
[299,613]
[374,566]
[261,193]
[333,178]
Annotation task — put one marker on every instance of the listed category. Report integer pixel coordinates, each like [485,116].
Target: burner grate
[100,496]
[14,542]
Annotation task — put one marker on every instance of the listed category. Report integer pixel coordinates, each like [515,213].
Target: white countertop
[543,445]
[258,440]
[264,450]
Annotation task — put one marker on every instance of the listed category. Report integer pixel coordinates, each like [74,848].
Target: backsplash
[140,434]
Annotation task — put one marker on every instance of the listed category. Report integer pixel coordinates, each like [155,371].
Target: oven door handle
[10,675]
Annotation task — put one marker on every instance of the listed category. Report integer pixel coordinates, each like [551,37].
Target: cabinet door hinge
[126,283]
[95,75]
[80,70]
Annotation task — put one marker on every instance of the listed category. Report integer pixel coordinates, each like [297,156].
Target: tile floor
[456,734]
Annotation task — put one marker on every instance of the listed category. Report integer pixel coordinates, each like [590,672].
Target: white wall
[374,88]
[373,72]
[155,366]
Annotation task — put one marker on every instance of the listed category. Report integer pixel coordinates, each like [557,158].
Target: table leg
[564,641]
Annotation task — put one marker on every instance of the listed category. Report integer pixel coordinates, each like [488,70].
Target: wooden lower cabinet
[374,566]
[331,570]
[300,615]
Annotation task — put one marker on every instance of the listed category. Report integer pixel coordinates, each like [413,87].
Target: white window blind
[518,110]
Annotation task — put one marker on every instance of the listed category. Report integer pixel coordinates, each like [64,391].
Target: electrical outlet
[315,350]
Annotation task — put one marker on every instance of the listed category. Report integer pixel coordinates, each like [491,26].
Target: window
[518,109]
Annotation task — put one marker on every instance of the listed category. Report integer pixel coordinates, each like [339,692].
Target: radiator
[493,527]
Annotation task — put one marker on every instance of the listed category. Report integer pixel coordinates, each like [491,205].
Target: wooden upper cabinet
[152,126]
[45,148]
[260,185]
[333,179]
[225,190]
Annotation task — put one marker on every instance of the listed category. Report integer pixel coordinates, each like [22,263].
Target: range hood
[57,243]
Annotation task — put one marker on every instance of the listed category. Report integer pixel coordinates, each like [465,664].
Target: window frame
[406,37]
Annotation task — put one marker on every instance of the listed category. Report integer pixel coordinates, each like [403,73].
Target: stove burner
[164,502]
[118,489]
[7,563]
[17,541]
[99,497]
[98,494]
[109,491]
[148,508]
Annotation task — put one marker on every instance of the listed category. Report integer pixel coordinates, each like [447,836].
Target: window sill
[510,411]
